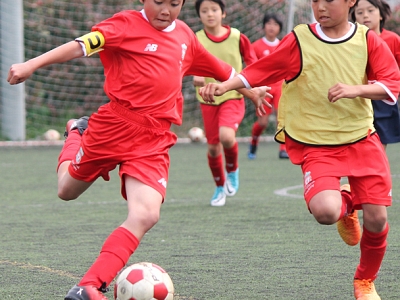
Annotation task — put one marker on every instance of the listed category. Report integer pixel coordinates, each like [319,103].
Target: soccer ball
[51,135]
[143,281]
[196,134]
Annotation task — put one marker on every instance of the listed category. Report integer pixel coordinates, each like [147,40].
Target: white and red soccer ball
[196,134]
[143,281]
[51,135]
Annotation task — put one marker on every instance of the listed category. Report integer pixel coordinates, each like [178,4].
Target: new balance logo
[151,47]
[390,193]
[163,182]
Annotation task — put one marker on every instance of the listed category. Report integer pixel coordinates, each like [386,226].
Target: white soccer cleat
[218,199]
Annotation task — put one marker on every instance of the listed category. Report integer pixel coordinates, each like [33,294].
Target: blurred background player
[373,14]
[272,26]
[145,55]
[326,121]
[222,118]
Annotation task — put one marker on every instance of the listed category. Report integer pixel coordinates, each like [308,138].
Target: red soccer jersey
[285,63]
[144,67]
[262,47]
[393,41]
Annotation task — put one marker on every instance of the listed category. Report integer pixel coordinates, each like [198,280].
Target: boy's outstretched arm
[256,95]
[371,91]
[20,72]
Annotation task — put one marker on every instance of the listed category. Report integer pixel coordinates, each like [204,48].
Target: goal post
[12,105]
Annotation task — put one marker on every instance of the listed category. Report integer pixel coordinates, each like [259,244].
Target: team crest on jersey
[184,49]
[163,182]
[151,47]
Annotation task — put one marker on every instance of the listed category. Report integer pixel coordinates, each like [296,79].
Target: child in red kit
[272,26]
[145,55]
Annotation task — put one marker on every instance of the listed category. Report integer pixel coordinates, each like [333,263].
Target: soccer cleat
[86,292]
[251,154]
[80,124]
[218,199]
[283,154]
[364,289]
[231,185]
[349,226]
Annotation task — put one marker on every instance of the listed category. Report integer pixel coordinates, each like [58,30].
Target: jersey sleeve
[247,50]
[113,29]
[283,63]
[204,64]
[382,66]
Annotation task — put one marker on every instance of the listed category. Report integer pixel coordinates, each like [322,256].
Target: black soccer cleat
[283,154]
[80,124]
[86,292]
[251,154]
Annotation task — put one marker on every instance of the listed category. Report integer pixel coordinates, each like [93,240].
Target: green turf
[259,246]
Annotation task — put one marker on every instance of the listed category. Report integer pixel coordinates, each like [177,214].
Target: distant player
[325,118]
[223,117]
[145,55]
[272,26]
[373,14]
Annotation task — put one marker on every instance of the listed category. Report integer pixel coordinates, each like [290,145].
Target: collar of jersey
[168,29]
[328,39]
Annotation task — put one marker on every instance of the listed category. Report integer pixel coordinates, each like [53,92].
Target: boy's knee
[326,218]
[65,195]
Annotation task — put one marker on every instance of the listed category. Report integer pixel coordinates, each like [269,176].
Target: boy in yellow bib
[325,118]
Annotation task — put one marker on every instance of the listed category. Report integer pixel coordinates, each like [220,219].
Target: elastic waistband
[138,118]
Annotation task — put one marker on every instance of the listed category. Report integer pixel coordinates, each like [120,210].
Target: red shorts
[117,136]
[229,114]
[276,92]
[364,163]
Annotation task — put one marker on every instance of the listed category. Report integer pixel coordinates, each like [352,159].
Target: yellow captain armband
[93,42]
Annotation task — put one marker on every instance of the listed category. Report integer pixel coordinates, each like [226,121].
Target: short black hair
[199,2]
[384,11]
[274,17]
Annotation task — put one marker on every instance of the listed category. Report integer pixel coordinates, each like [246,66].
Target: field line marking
[38,268]
[285,191]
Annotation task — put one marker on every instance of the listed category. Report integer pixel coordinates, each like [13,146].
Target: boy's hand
[210,90]
[257,96]
[341,90]
[19,73]
[199,81]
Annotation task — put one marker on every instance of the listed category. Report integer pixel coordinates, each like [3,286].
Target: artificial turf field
[263,244]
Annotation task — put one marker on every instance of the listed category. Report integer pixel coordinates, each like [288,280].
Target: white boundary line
[285,191]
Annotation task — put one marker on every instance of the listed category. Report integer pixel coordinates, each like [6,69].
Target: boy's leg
[144,205]
[256,131]
[232,166]
[214,152]
[373,247]
[348,224]
[68,187]
[217,170]
[231,114]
